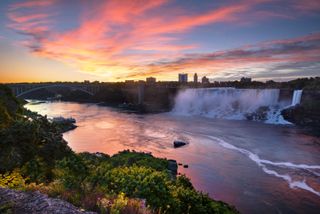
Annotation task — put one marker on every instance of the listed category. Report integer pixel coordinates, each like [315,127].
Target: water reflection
[226,173]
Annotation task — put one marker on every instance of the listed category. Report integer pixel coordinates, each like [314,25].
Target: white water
[301,184]
[256,167]
[296,97]
[231,103]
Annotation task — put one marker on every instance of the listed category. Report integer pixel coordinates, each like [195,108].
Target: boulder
[306,115]
[19,202]
[173,167]
[177,144]
[259,115]
[301,115]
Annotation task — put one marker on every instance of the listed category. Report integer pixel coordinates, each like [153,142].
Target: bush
[13,180]
[128,182]
[140,182]
[127,158]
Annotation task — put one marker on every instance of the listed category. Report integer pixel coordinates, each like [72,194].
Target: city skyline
[55,40]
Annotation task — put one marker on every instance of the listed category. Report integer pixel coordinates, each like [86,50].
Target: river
[257,167]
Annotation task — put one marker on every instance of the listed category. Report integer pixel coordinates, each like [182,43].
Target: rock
[302,115]
[19,202]
[186,166]
[306,115]
[173,167]
[177,144]
[259,115]
[63,120]
[64,124]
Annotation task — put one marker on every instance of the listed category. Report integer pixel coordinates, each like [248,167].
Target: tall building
[183,78]
[205,80]
[195,78]
[151,80]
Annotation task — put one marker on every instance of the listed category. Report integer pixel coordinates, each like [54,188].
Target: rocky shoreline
[64,124]
[19,202]
[306,114]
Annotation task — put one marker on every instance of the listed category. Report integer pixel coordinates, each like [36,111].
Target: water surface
[259,168]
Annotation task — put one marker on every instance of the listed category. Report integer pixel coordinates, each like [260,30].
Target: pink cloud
[302,49]
[18,18]
[120,26]
[31,4]
[130,37]
[307,6]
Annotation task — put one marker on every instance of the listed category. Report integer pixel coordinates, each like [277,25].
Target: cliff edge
[13,201]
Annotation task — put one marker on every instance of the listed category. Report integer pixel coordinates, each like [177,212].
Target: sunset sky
[76,40]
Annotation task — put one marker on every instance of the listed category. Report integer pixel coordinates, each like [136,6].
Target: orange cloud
[103,39]
[304,49]
[128,38]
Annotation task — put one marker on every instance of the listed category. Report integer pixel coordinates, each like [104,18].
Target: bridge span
[20,89]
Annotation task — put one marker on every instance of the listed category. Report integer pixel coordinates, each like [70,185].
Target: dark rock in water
[186,166]
[13,201]
[177,144]
[306,115]
[173,167]
[65,124]
[259,115]
[180,164]
[63,120]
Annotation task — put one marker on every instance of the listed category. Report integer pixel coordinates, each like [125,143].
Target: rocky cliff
[12,201]
[307,113]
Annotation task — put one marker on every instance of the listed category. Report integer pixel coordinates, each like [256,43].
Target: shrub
[140,182]
[13,180]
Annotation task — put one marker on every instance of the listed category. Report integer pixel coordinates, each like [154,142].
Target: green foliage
[313,84]
[7,208]
[18,144]
[119,203]
[10,106]
[72,171]
[28,141]
[184,182]
[13,180]
[93,160]
[122,204]
[117,184]
[127,158]
[5,118]
[129,174]
[32,143]
[190,201]
[140,182]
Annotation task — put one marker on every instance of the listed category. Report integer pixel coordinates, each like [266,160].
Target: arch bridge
[21,89]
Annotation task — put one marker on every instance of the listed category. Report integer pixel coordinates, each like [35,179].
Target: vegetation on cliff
[34,156]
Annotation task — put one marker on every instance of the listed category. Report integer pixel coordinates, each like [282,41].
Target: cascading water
[231,103]
[296,97]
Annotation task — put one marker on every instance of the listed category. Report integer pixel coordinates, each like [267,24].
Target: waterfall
[296,98]
[231,103]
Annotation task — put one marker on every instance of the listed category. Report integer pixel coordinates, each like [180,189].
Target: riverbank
[306,114]
[225,173]
[102,183]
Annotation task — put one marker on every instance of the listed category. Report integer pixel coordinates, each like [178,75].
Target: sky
[117,40]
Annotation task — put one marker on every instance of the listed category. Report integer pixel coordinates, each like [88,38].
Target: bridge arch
[52,86]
